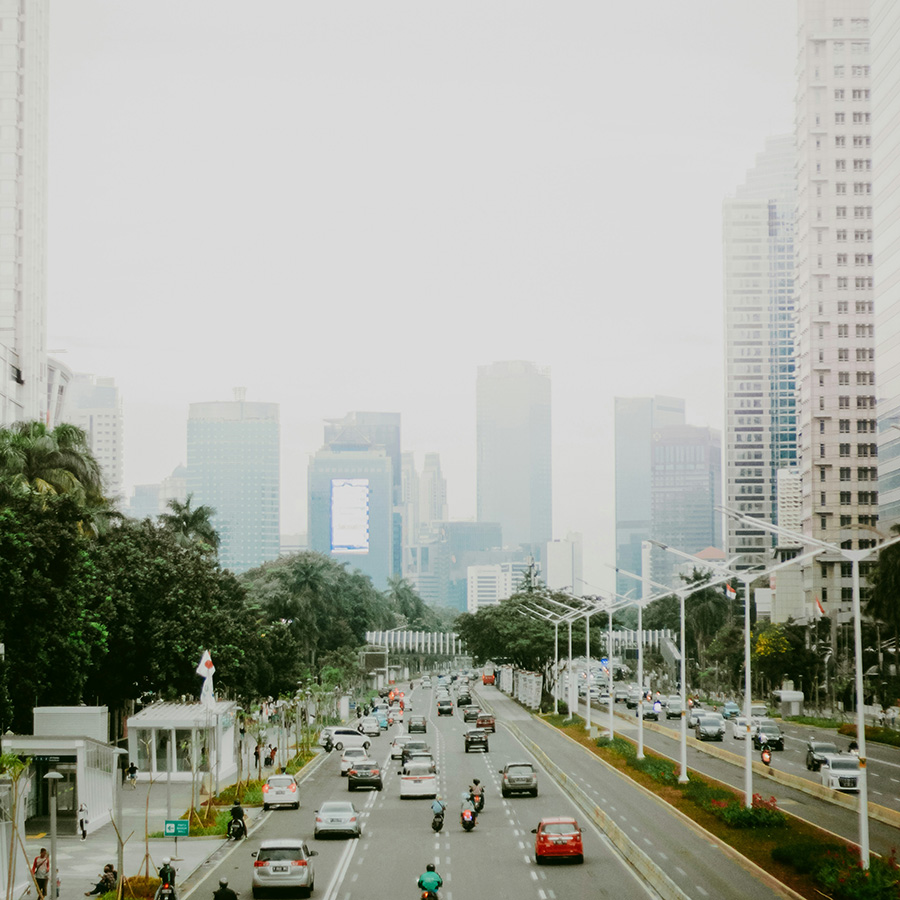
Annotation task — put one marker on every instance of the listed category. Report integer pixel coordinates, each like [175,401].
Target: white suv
[840,773]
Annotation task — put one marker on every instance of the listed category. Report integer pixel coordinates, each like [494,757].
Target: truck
[487,674]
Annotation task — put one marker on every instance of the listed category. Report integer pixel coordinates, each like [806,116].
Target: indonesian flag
[818,607]
[206,669]
[730,592]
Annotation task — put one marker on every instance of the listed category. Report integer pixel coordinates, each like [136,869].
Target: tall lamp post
[53,778]
[854,557]
[747,576]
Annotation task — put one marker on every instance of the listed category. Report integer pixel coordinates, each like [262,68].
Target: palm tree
[191,527]
[37,460]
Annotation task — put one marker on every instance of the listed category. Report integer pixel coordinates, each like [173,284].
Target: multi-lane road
[497,858]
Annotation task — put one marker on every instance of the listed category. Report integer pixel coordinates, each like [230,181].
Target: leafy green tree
[46,620]
[883,600]
[411,609]
[191,526]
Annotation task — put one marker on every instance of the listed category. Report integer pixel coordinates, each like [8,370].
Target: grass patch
[786,847]
[815,721]
[874,734]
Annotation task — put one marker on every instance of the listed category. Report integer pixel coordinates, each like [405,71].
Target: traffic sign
[604,662]
[177,828]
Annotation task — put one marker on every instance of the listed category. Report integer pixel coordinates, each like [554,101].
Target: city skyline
[526,246]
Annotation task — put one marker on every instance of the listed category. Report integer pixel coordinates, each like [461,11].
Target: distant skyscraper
[94,405]
[514,451]
[432,490]
[685,489]
[833,278]
[351,508]
[886,164]
[233,466]
[760,404]
[491,583]
[23,210]
[562,564]
[638,421]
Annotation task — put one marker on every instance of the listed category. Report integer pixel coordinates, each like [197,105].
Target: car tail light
[259,862]
[293,787]
[352,818]
[352,772]
[318,818]
[265,789]
[298,862]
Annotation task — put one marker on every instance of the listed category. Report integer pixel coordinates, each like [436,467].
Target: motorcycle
[467,819]
[166,892]
[764,753]
[437,823]
[429,895]
[236,829]
[479,801]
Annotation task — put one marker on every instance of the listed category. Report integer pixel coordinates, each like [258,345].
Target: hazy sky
[351,205]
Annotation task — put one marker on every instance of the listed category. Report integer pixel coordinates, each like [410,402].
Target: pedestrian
[256,756]
[272,752]
[83,820]
[881,718]
[40,868]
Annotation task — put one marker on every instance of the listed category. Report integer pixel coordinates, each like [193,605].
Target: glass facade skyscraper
[233,465]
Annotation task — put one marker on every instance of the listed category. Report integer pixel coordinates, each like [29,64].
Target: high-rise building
[24,54]
[432,491]
[833,281]
[491,583]
[886,225]
[94,405]
[351,508]
[760,413]
[685,491]
[563,568]
[233,459]
[513,451]
[638,421]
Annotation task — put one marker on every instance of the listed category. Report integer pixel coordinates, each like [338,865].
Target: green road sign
[177,828]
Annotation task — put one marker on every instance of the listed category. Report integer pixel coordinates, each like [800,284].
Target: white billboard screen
[349,515]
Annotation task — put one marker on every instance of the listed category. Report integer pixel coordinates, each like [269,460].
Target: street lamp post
[746,576]
[53,778]
[854,557]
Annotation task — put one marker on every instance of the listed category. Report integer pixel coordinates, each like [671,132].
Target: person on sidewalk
[83,820]
[106,883]
[40,868]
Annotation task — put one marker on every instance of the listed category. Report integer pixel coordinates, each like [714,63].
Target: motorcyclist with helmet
[476,791]
[430,881]
[224,892]
[237,827]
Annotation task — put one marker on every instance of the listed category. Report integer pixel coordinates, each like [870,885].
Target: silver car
[709,728]
[337,817]
[283,863]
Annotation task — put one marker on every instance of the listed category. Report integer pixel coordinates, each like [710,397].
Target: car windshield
[277,854]
[769,729]
[844,765]
[711,721]
[560,828]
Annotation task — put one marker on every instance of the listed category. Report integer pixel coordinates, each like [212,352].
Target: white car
[738,727]
[343,737]
[370,726]
[352,755]
[280,790]
[397,745]
[840,773]
[426,682]
[417,780]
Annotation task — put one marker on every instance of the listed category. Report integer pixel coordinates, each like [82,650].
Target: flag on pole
[206,669]
[730,592]
[207,697]
[819,609]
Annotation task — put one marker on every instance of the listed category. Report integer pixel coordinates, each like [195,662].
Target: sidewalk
[80,862]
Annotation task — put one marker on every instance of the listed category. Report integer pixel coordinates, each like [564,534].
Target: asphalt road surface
[497,858]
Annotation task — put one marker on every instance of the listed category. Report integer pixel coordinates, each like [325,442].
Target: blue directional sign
[177,828]
[604,662]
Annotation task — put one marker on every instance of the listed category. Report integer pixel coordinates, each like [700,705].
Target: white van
[343,737]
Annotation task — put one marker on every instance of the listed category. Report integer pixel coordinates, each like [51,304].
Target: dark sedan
[365,773]
[816,751]
[774,739]
[417,725]
[476,739]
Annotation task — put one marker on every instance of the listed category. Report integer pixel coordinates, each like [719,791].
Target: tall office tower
[886,218]
[760,411]
[563,568]
[638,421]
[432,491]
[351,504]
[513,451]
[685,489]
[835,343]
[24,56]
[233,465]
[94,405]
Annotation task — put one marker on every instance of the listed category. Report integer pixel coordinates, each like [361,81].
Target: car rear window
[418,769]
[708,720]
[281,781]
[560,828]
[366,766]
[277,854]
[520,770]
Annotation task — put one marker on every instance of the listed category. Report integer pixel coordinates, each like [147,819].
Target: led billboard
[349,515]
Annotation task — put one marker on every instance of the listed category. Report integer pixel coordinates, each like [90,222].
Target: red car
[486,722]
[558,836]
